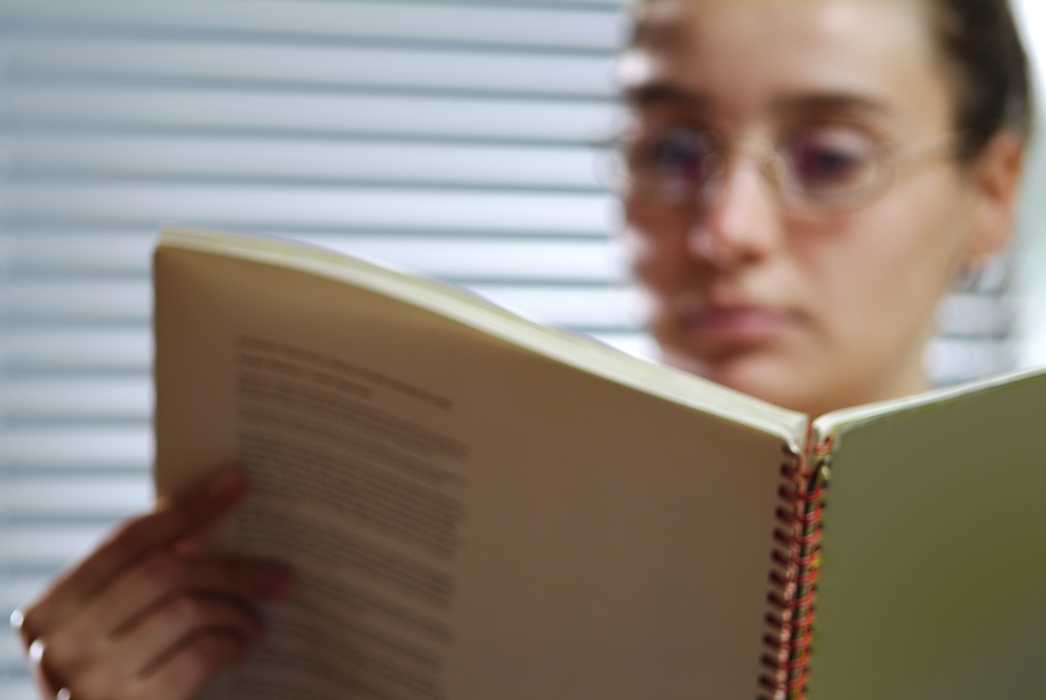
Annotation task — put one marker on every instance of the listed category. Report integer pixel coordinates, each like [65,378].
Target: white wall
[1031,244]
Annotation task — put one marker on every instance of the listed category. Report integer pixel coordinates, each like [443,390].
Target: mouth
[734,328]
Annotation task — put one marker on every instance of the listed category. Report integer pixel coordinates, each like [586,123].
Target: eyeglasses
[817,168]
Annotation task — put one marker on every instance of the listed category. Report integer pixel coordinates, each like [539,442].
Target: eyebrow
[663,93]
[830,102]
[666,94]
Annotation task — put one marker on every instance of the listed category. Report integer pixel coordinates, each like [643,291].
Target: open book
[483,508]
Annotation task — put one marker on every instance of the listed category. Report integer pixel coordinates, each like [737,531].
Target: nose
[739,221]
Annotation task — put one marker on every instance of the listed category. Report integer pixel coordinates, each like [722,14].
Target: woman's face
[809,308]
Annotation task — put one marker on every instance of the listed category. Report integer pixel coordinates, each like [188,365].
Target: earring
[984,275]
[967,275]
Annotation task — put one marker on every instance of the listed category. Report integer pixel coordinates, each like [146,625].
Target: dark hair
[980,41]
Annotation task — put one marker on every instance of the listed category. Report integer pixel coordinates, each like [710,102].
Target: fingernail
[276,582]
[224,485]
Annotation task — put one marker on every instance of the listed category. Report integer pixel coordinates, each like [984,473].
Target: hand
[147,614]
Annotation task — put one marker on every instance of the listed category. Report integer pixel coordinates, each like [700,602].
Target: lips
[734,327]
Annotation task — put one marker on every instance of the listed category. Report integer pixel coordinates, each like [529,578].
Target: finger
[172,519]
[162,575]
[35,660]
[180,619]
[149,585]
[179,676]
[184,673]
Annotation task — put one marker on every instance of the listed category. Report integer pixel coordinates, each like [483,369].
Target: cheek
[655,241]
[881,274]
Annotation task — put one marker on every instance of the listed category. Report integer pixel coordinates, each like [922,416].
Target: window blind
[451,138]
[456,139]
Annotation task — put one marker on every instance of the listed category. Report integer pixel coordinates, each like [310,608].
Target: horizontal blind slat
[252,159]
[951,361]
[242,206]
[88,398]
[634,342]
[600,306]
[987,315]
[79,250]
[311,115]
[78,300]
[596,29]
[100,498]
[40,547]
[11,657]
[94,252]
[603,308]
[17,589]
[537,261]
[62,349]
[108,58]
[78,447]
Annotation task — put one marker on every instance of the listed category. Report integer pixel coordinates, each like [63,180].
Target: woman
[810,178]
[805,178]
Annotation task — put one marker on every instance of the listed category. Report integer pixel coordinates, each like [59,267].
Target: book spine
[796,562]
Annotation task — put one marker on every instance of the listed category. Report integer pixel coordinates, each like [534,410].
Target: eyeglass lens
[819,163]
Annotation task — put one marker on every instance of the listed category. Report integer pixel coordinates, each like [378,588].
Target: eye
[829,161]
[674,161]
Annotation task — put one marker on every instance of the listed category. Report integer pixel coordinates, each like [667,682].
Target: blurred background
[459,139]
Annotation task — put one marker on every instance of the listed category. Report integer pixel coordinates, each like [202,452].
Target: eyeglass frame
[890,155]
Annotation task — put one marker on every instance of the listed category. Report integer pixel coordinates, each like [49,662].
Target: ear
[995,181]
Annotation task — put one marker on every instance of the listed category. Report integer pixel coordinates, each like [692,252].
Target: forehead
[743,57]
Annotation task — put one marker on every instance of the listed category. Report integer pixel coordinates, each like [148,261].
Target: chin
[763,374]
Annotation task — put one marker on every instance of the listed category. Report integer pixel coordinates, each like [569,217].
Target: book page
[468,519]
[933,571]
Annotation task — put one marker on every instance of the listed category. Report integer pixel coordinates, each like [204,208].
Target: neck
[908,378]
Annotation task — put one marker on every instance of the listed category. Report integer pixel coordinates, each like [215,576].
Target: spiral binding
[794,576]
